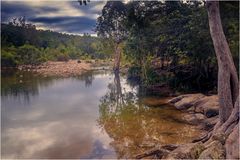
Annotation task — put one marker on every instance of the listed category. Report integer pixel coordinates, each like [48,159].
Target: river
[95,115]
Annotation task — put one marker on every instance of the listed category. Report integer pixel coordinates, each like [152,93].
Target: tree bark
[228,85]
[232,144]
[227,75]
[117,58]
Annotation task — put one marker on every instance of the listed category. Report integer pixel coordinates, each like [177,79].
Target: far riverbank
[64,68]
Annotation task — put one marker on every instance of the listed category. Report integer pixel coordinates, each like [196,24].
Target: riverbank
[64,68]
[203,111]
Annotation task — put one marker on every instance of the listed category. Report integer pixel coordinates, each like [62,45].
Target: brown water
[96,115]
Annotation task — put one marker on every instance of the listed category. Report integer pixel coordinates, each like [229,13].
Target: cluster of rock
[63,69]
[203,112]
[203,109]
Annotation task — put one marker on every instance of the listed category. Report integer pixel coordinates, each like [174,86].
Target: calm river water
[95,115]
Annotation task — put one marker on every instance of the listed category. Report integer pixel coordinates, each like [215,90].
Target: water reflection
[22,85]
[87,78]
[60,122]
[135,125]
[96,115]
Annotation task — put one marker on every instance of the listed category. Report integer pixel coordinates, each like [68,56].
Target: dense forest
[168,42]
[22,43]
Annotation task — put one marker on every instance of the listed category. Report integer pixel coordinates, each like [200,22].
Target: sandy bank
[63,69]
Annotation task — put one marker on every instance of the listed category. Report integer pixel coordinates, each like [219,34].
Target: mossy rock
[215,150]
[220,137]
[186,151]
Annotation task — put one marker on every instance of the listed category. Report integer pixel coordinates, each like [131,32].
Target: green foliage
[28,54]
[111,22]
[8,59]
[33,46]
[62,57]
[176,33]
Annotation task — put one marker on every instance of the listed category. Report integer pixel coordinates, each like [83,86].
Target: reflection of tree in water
[116,97]
[115,108]
[134,127]
[22,85]
[87,77]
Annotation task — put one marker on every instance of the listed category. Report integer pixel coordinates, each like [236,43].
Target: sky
[58,15]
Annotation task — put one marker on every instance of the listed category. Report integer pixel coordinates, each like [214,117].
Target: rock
[220,137]
[209,123]
[194,118]
[215,150]
[157,152]
[209,105]
[232,144]
[186,101]
[176,99]
[209,112]
[152,154]
[186,151]
[154,102]
[147,144]
[170,147]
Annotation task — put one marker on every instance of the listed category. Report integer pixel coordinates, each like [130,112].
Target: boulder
[232,144]
[211,112]
[169,147]
[186,151]
[215,150]
[157,152]
[209,105]
[209,123]
[186,101]
[152,154]
[154,102]
[194,118]
[176,99]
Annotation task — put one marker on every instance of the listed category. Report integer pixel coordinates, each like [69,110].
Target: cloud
[67,24]
[62,16]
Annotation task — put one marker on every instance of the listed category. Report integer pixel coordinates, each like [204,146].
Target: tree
[228,85]
[111,25]
[28,54]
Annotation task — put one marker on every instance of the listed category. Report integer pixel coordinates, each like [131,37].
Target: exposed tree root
[157,152]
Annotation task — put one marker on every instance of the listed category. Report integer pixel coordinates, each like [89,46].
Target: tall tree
[228,85]
[111,25]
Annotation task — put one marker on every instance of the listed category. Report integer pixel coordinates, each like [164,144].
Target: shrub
[7,59]
[62,57]
[28,54]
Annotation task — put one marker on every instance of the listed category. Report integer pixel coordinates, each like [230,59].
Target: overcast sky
[57,15]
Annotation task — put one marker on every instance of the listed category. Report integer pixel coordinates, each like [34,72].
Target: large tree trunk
[228,85]
[117,58]
[227,74]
